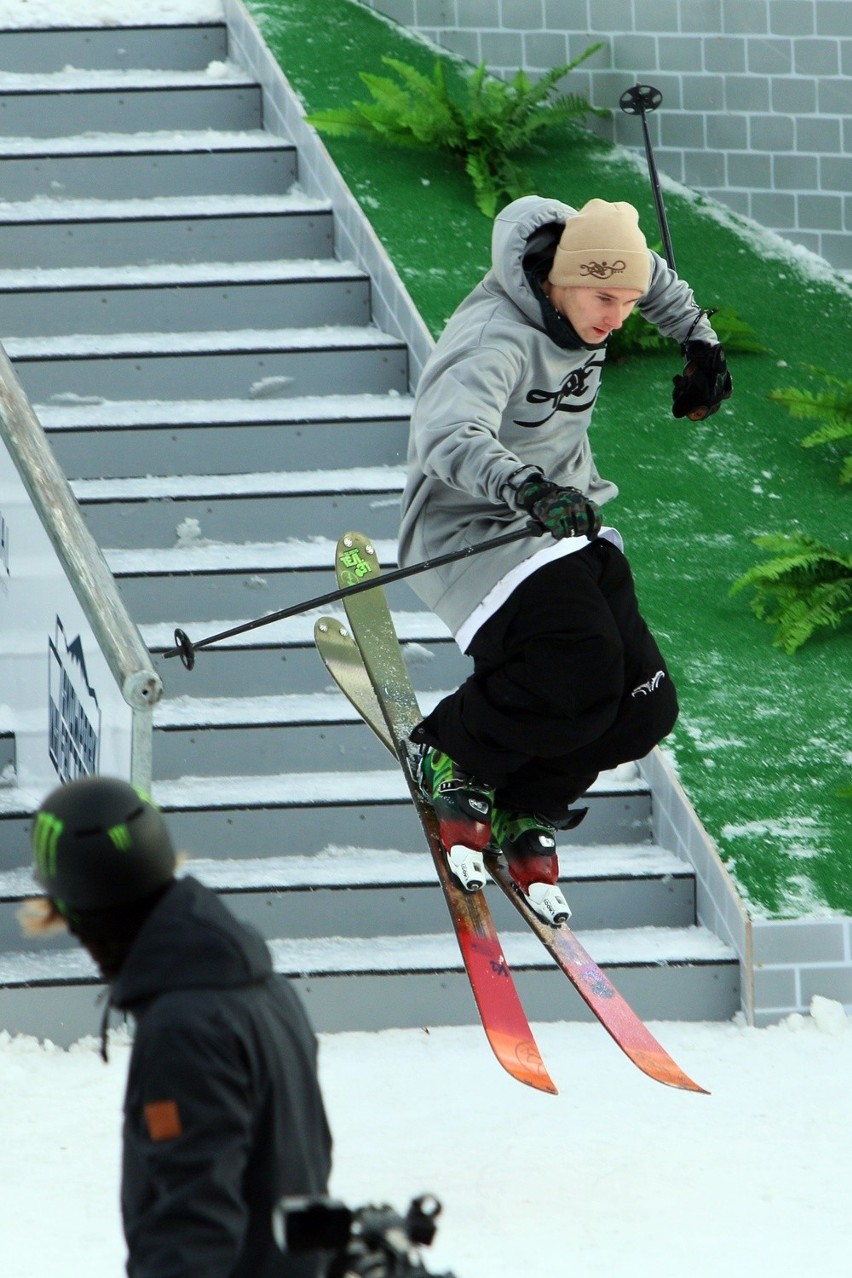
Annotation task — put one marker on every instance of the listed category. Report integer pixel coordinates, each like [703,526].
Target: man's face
[594,312]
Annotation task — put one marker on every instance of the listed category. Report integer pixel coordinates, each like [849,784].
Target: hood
[190,940]
[526,232]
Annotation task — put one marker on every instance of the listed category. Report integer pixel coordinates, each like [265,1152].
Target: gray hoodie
[498,395]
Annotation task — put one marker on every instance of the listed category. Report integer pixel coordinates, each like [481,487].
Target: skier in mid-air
[567,679]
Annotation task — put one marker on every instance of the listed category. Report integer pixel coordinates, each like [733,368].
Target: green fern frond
[832,432]
[806,587]
[636,334]
[734,333]
[487,121]
[833,407]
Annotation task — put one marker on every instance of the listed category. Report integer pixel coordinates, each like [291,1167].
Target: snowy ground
[616,1175]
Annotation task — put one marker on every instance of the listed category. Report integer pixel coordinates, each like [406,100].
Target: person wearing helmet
[223,1113]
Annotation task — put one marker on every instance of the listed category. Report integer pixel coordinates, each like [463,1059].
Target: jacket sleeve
[187,1135]
[456,423]
[669,303]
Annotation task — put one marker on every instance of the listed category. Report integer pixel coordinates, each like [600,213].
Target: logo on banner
[75,716]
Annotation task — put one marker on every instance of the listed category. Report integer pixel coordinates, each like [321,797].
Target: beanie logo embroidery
[46,832]
[603,270]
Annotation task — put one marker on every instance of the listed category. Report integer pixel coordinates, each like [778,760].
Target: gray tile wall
[757,108]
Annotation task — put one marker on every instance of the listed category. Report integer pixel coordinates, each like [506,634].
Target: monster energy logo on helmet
[100,842]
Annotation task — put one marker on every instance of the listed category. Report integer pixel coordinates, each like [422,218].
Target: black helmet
[99,842]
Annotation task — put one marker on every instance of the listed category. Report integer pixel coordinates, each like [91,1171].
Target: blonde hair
[38,916]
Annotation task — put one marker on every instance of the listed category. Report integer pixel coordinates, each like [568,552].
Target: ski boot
[528,843]
[463,807]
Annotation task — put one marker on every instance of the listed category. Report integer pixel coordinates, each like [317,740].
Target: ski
[370,664]
[346,664]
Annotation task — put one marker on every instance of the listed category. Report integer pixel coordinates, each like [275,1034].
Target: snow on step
[171,274]
[76,346]
[416,627]
[630,947]
[76,412]
[165,142]
[357,866]
[76,80]
[219,712]
[191,793]
[245,556]
[45,209]
[46,967]
[327,956]
[344,867]
[212,793]
[368,479]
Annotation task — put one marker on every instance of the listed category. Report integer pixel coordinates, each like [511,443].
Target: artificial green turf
[763,744]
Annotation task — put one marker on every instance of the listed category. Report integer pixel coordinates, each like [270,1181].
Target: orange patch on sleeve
[162,1118]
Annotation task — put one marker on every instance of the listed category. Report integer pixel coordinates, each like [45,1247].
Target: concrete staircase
[211,382]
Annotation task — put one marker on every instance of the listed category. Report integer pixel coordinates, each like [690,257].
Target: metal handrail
[84,565]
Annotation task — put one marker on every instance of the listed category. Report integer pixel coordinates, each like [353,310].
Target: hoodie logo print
[573,388]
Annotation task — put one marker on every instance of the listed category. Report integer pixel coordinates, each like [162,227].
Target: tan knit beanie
[602,244]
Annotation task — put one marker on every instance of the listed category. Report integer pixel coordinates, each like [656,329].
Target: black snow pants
[568,681]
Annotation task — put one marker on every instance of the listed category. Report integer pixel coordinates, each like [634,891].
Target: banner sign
[58,695]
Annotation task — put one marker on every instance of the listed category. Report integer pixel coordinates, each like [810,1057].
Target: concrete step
[310,813]
[196,581]
[175,508]
[171,298]
[404,981]
[218,365]
[313,811]
[123,166]
[177,46]
[282,656]
[361,891]
[127,439]
[291,733]
[73,102]
[54,233]
[665,974]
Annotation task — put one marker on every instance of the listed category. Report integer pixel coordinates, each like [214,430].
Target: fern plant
[636,335]
[832,406]
[805,587]
[490,123]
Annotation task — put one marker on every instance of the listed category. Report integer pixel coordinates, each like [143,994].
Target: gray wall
[757,109]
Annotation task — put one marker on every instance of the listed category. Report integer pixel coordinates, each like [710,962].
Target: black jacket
[223,1112]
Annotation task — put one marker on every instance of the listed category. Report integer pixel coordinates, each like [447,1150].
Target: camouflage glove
[563,512]
[704,382]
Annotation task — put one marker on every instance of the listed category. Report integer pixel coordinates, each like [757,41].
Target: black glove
[704,382]
[564,512]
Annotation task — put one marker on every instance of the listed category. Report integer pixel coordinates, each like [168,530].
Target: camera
[368,1242]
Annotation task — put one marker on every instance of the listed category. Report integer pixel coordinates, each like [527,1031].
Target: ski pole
[638,101]
[186,649]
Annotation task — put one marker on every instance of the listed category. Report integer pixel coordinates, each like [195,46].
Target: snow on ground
[616,1175]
